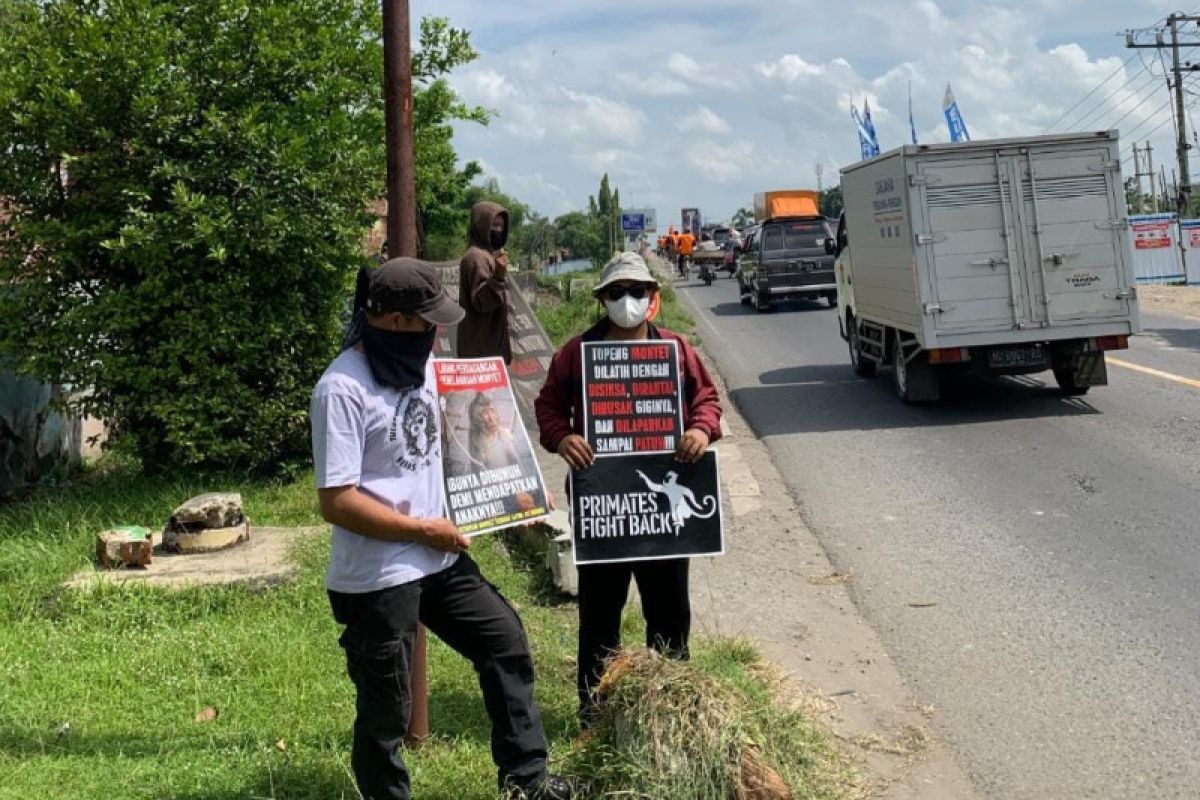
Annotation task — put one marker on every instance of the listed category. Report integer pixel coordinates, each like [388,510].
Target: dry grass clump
[704,730]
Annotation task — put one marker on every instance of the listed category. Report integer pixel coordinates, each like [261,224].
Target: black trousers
[603,589]
[471,616]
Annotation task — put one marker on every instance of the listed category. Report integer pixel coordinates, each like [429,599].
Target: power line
[1103,103]
[1099,112]
[1145,100]
[1095,89]
[1154,130]
[1148,120]
[1157,26]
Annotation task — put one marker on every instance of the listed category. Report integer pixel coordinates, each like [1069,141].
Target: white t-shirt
[386,443]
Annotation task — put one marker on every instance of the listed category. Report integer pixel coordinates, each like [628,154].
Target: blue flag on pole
[868,148]
[870,124]
[911,122]
[958,128]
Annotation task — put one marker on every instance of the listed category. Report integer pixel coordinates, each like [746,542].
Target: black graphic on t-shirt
[418,430]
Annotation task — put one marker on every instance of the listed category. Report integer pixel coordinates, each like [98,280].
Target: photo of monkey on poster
[491,474]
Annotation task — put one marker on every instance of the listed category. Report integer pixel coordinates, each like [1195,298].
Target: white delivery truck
[1008,256]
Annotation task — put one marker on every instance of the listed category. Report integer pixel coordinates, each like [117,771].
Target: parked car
[784,259]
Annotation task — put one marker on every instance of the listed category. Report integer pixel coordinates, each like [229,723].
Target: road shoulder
[776,585]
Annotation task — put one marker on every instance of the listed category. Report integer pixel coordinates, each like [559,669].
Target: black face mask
[398,358]
[497,239]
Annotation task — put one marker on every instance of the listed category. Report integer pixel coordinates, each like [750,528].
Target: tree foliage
[742,218]
[831,201]
[189,184]
[595,233]
[441,184]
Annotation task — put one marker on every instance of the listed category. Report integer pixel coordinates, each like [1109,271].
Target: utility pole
[402,241]
[819,168]
[1181,146]
[1150,173]
[397,99]
[1177,69]
[1137,177]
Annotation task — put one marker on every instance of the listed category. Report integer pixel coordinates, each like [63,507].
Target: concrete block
[210,540]
[560,560]
[124,547]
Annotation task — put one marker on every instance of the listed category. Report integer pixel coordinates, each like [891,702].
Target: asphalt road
[1031,562]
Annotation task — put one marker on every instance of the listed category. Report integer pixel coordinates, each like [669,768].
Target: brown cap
[412,286]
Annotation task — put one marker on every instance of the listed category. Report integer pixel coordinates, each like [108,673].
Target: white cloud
[789,68]
[703,120]
[683,112]
[700,75]
[722,163]
[602,117]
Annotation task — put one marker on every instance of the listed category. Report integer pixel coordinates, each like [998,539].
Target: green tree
[582,235]
[189,184]
[831,201]
[742,218]
[441,183]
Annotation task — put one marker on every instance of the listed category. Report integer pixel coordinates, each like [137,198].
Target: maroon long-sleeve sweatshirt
[559,406]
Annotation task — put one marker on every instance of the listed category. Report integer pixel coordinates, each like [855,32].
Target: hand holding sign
[576,451]
[442,534]
[692,446]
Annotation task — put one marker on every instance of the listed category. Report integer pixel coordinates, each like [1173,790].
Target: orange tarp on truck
[786,203]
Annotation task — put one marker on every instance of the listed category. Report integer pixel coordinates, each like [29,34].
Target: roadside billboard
[639,220]
[690,220]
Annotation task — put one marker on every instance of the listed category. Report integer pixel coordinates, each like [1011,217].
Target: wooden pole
[397,96]
[402,241]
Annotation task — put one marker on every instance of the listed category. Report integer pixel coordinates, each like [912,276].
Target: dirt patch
[1181,300]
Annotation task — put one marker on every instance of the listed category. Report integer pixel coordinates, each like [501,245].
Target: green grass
[129,668]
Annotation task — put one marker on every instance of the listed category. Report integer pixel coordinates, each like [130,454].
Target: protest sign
[531,348]
[491,476]
[646,506]
[632,396]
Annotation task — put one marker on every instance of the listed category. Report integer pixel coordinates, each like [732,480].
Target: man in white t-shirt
[396,559]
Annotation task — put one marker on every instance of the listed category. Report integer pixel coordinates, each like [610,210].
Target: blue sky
[704,103]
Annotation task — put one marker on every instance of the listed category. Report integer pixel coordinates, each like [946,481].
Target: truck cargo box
[988,242]
[786,203]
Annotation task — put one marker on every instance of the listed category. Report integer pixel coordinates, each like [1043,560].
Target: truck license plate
[1018,356]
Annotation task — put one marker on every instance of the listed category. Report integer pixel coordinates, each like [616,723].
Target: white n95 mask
[628,312]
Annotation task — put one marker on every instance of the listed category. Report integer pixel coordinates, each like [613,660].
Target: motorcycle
[707,273]
[730,260]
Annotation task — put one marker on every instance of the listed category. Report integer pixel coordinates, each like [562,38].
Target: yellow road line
[1158,373]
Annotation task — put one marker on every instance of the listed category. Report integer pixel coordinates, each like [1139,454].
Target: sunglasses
[617,292]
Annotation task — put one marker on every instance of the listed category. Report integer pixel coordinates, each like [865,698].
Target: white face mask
[628,312]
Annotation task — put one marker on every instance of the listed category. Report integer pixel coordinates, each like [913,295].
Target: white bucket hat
[627,266]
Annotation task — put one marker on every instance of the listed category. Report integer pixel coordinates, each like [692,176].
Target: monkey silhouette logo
[681,500]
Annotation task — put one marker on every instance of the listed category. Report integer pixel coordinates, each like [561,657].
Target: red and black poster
[645,507]
[491,474]
[632,396]
[531,349]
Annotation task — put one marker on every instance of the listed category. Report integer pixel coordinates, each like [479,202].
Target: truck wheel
[762,302]
[863,366]
[1068,384]
[915,381]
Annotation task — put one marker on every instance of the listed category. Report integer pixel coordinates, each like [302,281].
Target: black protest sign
[632,396]
[646,506]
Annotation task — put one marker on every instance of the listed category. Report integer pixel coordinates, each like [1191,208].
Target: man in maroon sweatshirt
[626,289]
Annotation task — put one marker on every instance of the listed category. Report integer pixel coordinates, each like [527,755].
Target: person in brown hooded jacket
[483,285]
